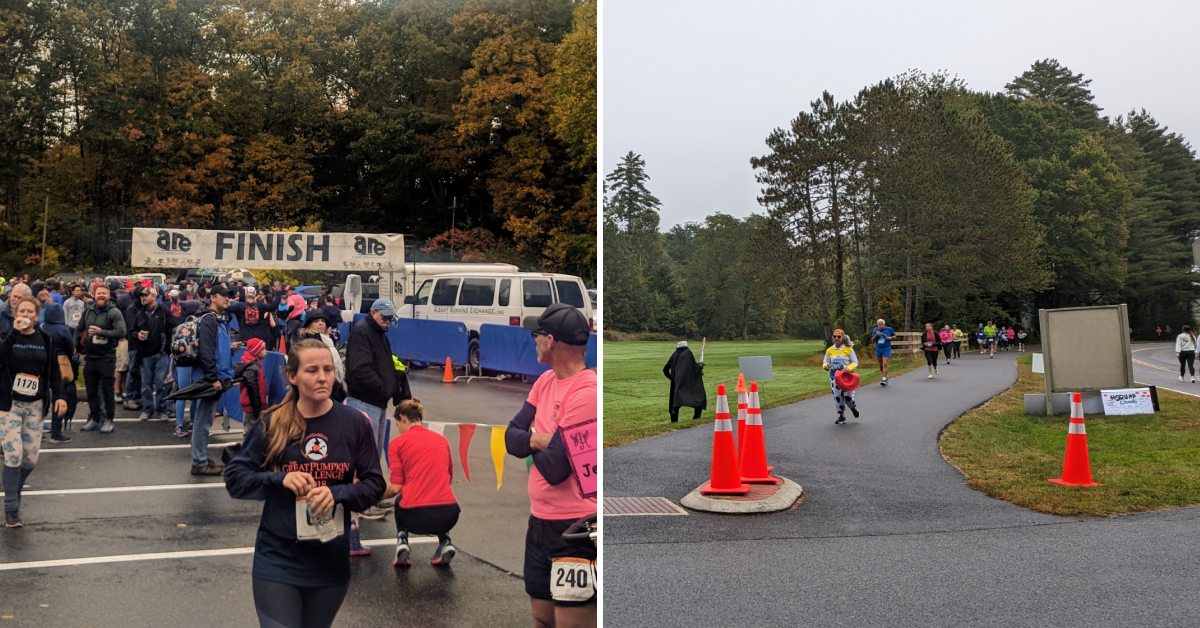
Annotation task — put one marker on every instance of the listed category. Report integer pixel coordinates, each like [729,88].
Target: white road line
[1153,366]
[123,489]
[126,558]
[127,448]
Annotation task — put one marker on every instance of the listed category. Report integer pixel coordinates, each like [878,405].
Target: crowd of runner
[935,345]
[136,343]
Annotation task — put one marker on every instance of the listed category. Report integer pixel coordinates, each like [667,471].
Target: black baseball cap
[224,291]
[564,322]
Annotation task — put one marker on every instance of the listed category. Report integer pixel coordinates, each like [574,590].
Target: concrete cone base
[762,498]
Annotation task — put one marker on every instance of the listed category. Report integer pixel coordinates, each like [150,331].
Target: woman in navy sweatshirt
[307,458]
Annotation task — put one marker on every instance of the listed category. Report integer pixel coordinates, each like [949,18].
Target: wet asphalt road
[888,533]
[208,537]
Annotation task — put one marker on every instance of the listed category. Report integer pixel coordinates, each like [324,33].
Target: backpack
[185,340]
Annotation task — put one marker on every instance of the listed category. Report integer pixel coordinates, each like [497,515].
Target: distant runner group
[840,357]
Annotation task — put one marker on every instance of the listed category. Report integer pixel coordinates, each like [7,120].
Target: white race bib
[306,528]
[26,384]
[99,340]
[572,579]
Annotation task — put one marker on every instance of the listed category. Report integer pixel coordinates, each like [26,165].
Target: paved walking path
[888,534]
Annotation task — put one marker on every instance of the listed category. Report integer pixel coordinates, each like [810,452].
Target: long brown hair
[287,424]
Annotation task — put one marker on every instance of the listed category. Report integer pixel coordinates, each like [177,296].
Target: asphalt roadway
[1155,364]
[144,543]
[888,533]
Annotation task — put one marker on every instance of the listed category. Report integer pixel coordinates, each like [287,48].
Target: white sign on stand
[1038,365]
[1125,401]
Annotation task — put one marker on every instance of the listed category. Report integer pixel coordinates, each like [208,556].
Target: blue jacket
[55,325]
[216,359]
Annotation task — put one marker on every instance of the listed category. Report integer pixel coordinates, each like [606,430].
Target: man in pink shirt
[559,575]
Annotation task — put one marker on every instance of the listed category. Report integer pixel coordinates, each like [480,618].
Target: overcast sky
[696,87]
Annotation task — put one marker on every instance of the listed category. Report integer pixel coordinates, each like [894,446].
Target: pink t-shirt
[298,305]
[561,402]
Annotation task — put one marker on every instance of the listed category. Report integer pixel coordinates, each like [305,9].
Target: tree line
[920,200]
[460,123]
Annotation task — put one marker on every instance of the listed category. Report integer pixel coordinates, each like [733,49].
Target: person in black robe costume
[687,382]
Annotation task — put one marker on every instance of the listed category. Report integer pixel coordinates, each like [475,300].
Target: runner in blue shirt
[882,337]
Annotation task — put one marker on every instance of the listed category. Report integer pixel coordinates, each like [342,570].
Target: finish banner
[197,248]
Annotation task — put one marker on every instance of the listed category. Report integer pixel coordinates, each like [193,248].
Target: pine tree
[1049,81]
[1163,220]
[640,290]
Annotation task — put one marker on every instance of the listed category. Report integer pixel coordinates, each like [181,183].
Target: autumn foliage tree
[408,116]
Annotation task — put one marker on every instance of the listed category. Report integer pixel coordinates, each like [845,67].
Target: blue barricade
[589,354]
[511,349]
[429,341]
[344,329]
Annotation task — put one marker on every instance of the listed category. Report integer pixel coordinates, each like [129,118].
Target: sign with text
[1123,401]
[197,248]
[580,440]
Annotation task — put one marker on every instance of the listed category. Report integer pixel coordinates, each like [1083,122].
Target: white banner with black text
[198,248]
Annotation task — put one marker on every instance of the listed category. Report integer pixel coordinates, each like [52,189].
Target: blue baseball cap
[385,307]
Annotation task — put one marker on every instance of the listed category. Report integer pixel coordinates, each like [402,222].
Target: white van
[404,283]
[496,298]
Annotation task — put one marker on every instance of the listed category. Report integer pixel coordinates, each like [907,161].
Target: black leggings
[948,347]
[437,520]
[931,358]
[1187,359]
[282,605]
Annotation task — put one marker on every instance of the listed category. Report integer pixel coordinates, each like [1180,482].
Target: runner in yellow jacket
[837,357]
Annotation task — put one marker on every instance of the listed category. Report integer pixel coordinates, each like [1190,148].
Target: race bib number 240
[572,579]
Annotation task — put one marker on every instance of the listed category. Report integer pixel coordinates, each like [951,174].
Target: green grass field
[636,393]
[1145,462]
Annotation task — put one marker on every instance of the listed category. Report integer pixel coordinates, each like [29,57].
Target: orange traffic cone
[1077,470]
[448,373]
[754,455]
[741,383]
[723,479]
[743,404]
[283,344]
